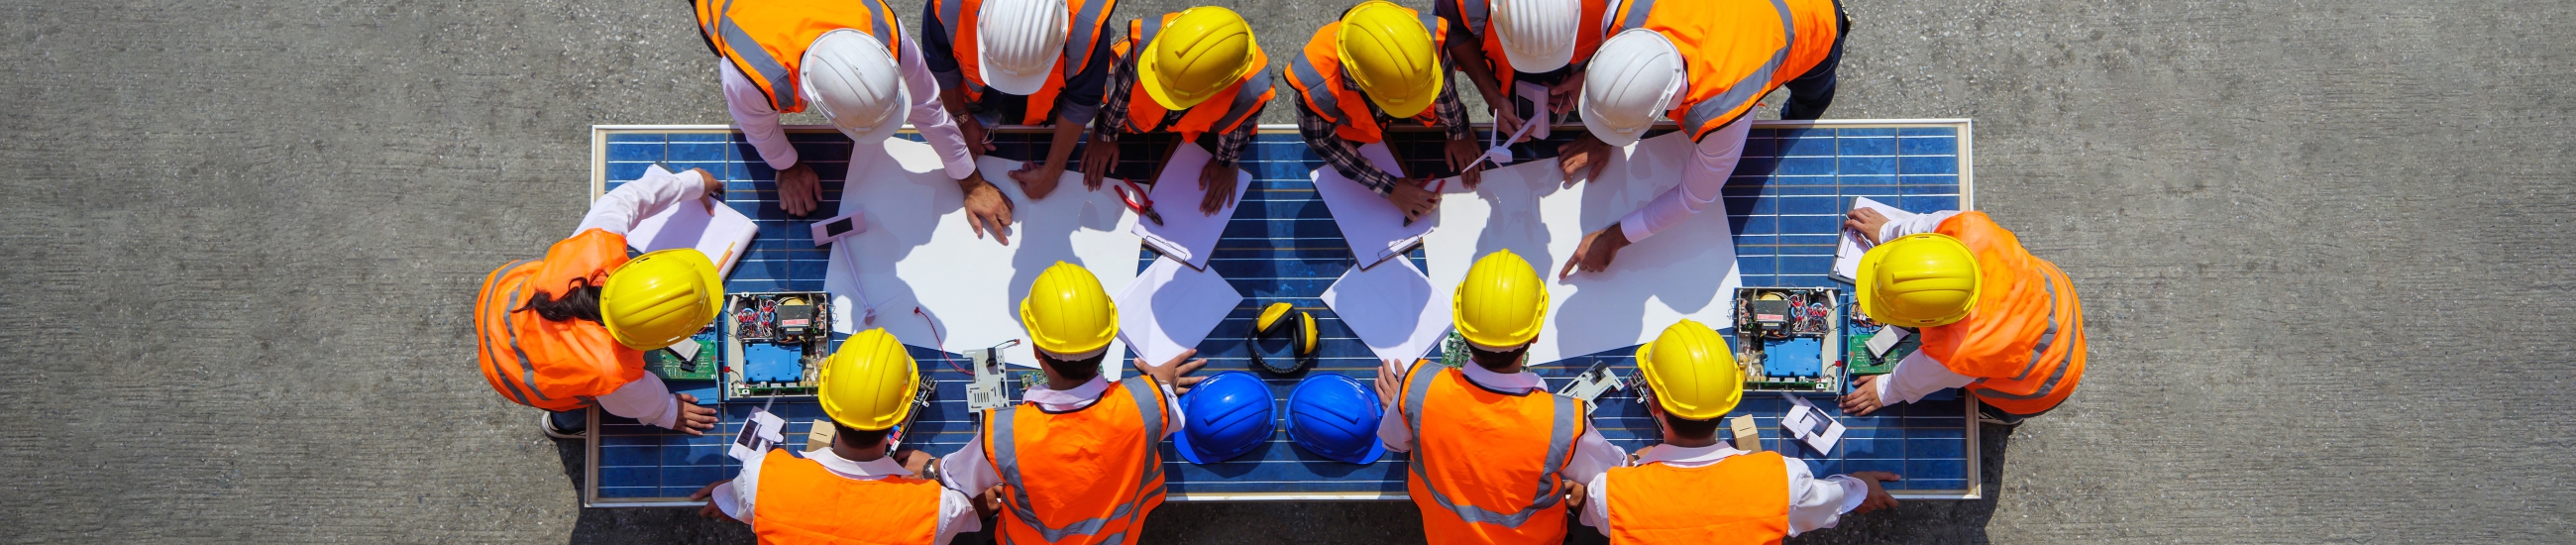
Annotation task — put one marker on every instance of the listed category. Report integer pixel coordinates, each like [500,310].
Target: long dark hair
[579,303]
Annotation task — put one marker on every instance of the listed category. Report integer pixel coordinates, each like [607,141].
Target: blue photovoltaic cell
[1784,200]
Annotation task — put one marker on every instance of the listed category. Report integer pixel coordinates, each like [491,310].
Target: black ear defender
[1299,330]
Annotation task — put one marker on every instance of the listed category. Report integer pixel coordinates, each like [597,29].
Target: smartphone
[827,231]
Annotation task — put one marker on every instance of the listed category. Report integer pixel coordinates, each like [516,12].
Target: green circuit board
[1860,362]
[671,367]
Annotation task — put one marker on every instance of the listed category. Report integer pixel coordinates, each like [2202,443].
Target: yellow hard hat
[659,298]
[1388,53]
[1921,280]
[1067,314]
[868,384]
[1691,372]
[1199,53]
[1501,304]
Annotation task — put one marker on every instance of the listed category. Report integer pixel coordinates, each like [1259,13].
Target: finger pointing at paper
[1595,253]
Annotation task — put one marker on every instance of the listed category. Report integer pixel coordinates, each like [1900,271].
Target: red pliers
[1143,205]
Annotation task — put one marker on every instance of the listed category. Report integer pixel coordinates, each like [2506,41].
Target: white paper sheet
[970,287]
[1392,308]
[723,235]
[1171,307]
[1809,424]
[1686,271]
[1374,228]
[1185,233]
[1847,256]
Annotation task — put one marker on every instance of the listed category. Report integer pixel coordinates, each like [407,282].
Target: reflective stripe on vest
[1084,35]
[1145,115]
[2013,331]
[800,501]
[1003,441]
[1733,100]
[767,40]
[2038,353]
[1321,90]
[559,366]
[490,351]
[1562,431]
[1703,117]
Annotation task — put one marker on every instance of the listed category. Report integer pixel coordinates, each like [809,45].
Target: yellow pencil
[728,254]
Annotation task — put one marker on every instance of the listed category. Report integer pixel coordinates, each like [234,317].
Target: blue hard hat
[1333,415]
[1228,414]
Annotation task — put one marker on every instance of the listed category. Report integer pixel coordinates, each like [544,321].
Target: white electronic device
[827,231]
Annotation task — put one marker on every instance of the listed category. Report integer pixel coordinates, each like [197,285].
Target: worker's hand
[710,510]
[1595,253]
[1218,181]
[1411,198]
[694,419]
[798,190]
[977,140]
[1462,153]
[1587,155]
[1560,97]
[1037,178]
[1878,497]
[1507,119]
[1574,496]
[1866,221]
[1863,398]
[989,502]
[1390,378]
[1097,158]
[1175,372]
[913,460]
[986,209]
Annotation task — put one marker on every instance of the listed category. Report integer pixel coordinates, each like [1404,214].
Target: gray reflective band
[1077,50]
[1246,99]
[2046,338]
[1431,25]
[782,91]
[878,16]
[527,370]
[2063,360]
[948,18]
[1313,91]
[514,390]
[1474,12]
[1748,89]
[1636,18]
[1145,38]
[1560,445]
[1417,386]
[1006,461]
[1147,407]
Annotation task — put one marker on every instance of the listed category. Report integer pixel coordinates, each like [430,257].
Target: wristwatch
[930,471]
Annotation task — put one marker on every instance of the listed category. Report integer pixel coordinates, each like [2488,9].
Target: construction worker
[1695,489]
[1378,64]
[569,331]
[2002,323]
[1494,452]
[850,61]
[1201,73]
[1076,461]
[852,489]
[1519,47]
[1028,62]
[1707,64]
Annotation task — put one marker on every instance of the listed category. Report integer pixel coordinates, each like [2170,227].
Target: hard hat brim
[706,272]
[1865,288]
[1377,445]
[1609,133]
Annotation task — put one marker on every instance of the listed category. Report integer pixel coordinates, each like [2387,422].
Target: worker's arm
[1919,224]
[742,488]
[618,210]
[1466,53]
[1392,429]
[1593,455]
[937,49]
[1075,107]
[1816,504]
[929,116]
[966,470]
[1341,154]
[1712,160]
[956,515]
[1916,376]
[1596,505]
[647,400]
[1227,147]
[1100,152]
[756,116]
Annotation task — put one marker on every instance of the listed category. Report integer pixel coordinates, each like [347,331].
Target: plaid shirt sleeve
[1228,146]
[1106,125]
[1452,111]
[1344,157]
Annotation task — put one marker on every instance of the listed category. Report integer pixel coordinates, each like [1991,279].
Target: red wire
[943,341]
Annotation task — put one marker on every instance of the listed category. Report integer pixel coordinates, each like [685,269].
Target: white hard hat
[1019,43]
[1632,78]
[851,77]
[1537,35]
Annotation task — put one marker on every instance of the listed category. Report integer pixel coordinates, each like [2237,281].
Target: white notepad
[1170,308]
[1847,256]
[1374,228]
[1392,308]
[723,235]
[1186,234]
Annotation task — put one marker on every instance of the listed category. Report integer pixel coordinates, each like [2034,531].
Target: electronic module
[1789,339]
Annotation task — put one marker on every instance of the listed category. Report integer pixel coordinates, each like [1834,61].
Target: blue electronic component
[764,362]
[1801,357]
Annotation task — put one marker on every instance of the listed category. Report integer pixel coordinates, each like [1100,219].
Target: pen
[1443,183]
[728,254]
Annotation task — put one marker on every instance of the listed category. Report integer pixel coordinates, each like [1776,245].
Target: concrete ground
[2316,242]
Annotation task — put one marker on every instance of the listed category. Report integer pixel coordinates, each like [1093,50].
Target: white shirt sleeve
[645,400]
[1392,429]
[1919,224]
[745,487]
[1596,505]
[1916,376]
[966,470]
[619,209]
[930,117]
[757,118]
[1172,406]
[1592,456]
[1712,161]
[1816,504]
[956,514]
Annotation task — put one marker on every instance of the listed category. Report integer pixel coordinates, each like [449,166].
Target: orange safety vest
[766,40]
[1320,69]
[1741,499]
[1089,18]
[1143,114]
[801,502]
[1088,475]
[2024,341]
[556,366]
[1485,463]
[1587,37]
[1735,51]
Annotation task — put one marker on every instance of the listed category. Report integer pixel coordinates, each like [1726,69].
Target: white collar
[1066,400]
[883,466]
[1507,382]
[1688,456]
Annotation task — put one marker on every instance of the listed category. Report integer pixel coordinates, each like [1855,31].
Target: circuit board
[1789,339]
[1860,362]
[701,366]
[777,343]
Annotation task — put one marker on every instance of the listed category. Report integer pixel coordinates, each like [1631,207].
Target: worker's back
[548,364]
[1485,464]
[1087,475]
[801,502]
[1741,499]
[2024,338]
